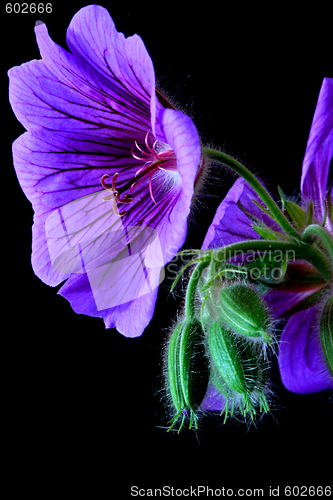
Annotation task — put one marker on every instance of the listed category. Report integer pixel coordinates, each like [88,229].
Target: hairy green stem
[191,289]
[256,185]
[322,234]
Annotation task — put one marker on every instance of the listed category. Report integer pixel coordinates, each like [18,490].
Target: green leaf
[326,329]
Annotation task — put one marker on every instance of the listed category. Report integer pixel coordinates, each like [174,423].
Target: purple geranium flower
[301,360]
[109,166]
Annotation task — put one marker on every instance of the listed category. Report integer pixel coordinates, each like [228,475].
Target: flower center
[154,161]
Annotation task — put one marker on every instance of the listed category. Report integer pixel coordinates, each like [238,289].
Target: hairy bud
[238,371]
[243,311]
[187,371]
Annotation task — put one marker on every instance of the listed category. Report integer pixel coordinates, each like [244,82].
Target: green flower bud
[239,371]
[224,351]
[243,311]
[194,366]
[187,371]
[173,370]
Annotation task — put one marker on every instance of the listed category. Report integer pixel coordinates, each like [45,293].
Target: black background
[82,399]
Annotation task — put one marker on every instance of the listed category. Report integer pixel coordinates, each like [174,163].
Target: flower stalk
[263,194]
[321,233]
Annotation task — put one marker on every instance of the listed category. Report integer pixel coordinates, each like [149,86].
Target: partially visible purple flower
[302,364]
[319,154]
[100,144]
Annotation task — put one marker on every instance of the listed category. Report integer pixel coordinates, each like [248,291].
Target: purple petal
[130,318]
[57,168]
[230,223]
[183,138]
[319,151]
[301,361]
[62,92]
[92,36]
[281,301]
[213,400]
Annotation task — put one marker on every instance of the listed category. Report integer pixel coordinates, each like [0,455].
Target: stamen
[105,176]
[147,174]
[146,142]
[153,161]
[151,189]
[140,170]
[115,209]
[114,178]
[135,156]
[141,150]
[151,151]
[121,200]
[109,196]
[115,194]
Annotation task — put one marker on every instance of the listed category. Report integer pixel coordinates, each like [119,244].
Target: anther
[115,194]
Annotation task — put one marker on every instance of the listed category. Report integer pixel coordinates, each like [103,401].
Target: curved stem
[256,185]
[322,233]
[191,289]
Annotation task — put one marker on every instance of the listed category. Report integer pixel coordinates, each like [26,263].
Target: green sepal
[326,329]
[269,234]
[296,213]
[243,311]
[224,352]
[265,210]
